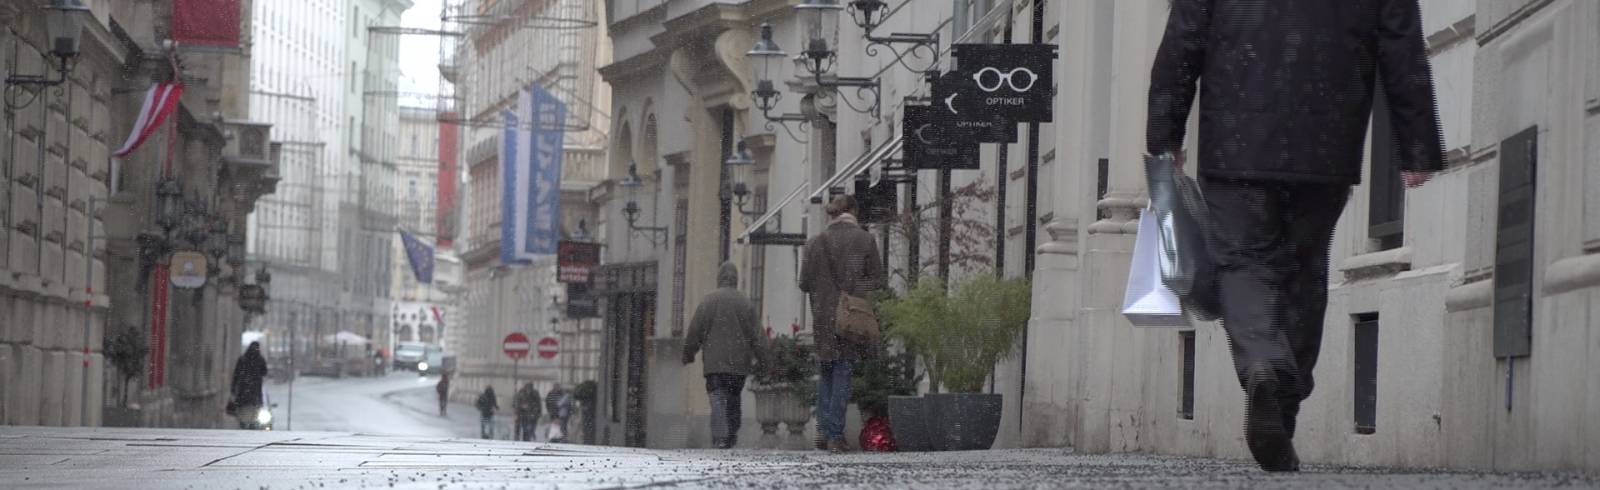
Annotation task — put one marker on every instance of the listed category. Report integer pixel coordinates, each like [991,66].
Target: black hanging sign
[1010,82]
[930,144]
[990,129]
[879,203]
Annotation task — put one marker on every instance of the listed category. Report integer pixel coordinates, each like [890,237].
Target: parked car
[417,356]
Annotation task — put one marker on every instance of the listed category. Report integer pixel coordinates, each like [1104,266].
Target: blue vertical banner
[511,157]
[547,133]
[530,176]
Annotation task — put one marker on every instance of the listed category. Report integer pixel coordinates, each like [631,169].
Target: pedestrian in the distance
[249,372]
[527,406]
[1286,91]
[487,406]
[443,388]
[556,402]
[843,259]
[726,327]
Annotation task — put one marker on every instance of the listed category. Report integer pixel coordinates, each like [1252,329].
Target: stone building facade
[80,256]
[1458,311]
[507,45]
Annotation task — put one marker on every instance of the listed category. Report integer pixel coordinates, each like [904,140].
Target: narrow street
[400,403]
[50,457]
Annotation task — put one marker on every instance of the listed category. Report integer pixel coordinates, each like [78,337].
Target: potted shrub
[959,335]
[875,381]
[125,350]
[785,389]
[585,393]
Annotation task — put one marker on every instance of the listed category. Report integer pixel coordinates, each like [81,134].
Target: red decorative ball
[877,436]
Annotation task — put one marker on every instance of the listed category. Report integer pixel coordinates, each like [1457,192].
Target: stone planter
[770,404]
[963,421]
[794,412]
[908,418]
[945,422]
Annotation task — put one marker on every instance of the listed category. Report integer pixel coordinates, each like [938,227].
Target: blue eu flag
[421,256]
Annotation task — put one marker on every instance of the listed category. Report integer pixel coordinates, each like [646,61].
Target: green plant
[585,392]
[790,362]
[126,351]
[960,334]
[875,380]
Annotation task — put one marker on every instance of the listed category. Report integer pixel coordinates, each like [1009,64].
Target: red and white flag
[159,102]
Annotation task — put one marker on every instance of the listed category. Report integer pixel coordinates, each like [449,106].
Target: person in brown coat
[725,325]
[843,258]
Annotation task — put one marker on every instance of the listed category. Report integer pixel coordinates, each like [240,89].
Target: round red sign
[548,347]
[516,345]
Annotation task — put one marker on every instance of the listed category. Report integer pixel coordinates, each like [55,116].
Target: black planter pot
[908,419]
[962,421]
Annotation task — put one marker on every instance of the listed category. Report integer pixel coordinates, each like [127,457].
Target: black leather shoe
[1264,429]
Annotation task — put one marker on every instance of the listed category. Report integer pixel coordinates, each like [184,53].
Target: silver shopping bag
[1181,217]
[1148,302]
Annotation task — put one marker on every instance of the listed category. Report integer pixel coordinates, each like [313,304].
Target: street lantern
[64,20]
[631,183]
[169,204]
[630,210]
[217,240]
[865,13]
[821,21]
[739,164]
[236,251]
[766,60]
[63,23]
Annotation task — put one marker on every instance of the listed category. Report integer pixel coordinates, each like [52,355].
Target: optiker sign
[999,83]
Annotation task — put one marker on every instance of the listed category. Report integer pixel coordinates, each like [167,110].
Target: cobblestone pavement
[43,457]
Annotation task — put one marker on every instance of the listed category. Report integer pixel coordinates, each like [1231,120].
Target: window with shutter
[1514,242]
[1387,205]
[1186,386]
[1365,375]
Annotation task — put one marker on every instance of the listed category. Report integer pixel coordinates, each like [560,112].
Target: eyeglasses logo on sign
[999,79]
[1003,84]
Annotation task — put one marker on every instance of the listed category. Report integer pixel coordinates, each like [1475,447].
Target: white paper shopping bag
[1148,302]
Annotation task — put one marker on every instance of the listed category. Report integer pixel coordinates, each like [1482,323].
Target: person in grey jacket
[844,258]
[726,327]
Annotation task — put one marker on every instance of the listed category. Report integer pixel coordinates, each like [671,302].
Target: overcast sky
[419,55]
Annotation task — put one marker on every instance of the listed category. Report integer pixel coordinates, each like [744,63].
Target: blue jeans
[833,397]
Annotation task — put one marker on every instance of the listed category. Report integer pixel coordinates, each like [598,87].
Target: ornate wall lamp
[64,21]
[630,210]
[869,14]
[766,56]
[821,21]
[739,166]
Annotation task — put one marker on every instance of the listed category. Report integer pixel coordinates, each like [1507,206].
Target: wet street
[401,403]
[41,457]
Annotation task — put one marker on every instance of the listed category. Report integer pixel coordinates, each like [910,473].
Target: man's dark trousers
[1270,243]
[726,392]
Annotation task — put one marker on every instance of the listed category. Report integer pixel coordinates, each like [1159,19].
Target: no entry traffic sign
[548,347]
[516,345]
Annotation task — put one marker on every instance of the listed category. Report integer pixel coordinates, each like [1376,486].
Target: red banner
[158,327]
[206,22]
[445,220]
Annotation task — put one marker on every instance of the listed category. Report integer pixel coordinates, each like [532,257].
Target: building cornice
[635,66]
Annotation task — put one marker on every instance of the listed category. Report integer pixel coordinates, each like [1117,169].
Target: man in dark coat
[248,373]
[843,258]
[1286,89]
[443,390]
[527,406]
[487,406]
[726,326]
